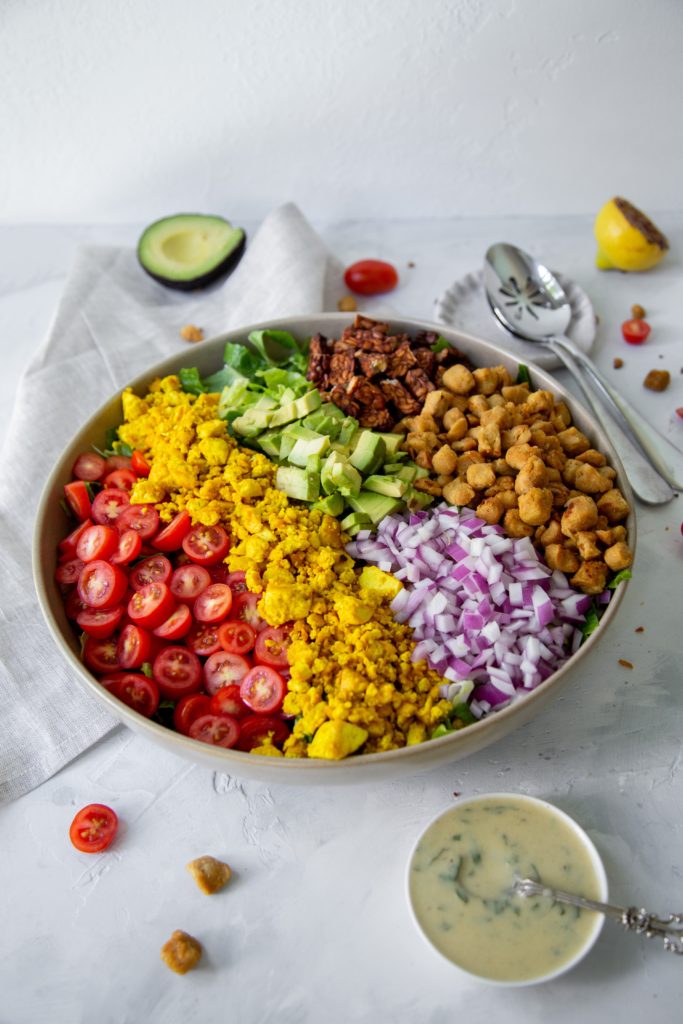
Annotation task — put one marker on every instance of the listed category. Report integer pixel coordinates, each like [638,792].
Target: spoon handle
[666,457]
[634,919]
[647,484]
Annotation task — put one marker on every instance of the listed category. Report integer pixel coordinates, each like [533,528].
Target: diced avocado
[317,445]
[338,474]
[415,499]
[270,442]
[348,430]
[330,409]
[288,395]
[297,483]
[314,464]
[265,402]
[357,520]
[393,442]
[376,506]
[369,453]
[332,505]
[407,473]
[420,472]
[392,486]
[308,403]
[322,424]
[189,250]
[287,442]
[343,449]
[285,414]
[252,422]
[389,468]
[299,432]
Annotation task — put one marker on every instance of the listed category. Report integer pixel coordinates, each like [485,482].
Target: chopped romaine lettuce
[190,380]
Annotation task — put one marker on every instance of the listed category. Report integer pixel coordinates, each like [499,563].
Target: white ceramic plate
[207,357]
[464,306]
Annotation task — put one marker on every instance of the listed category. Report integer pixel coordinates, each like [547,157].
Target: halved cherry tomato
[223,668]
[93,829]
[171,537]
[237,581]
[256,728]
[219,573]
[67,573]
[100,624]
[111,679]
[271,647]
[206,545]
[155,569]
[121,479]
[370,277]
[138,691]
[236,637]
[635,332]
[177,625]
[89,466]
[219,730]
[188,708]
[263,689]
[203,638]
[144,519]
[101,585]
[130,546]
[100,655]
[134,646]
[139,464]
[117,462]
[97,542]
[151,605]
[67,547]
[214,603]
[109,504]
[227,701]
[178,671]
[78,499]
[188,581]
[74,606]
[244,610]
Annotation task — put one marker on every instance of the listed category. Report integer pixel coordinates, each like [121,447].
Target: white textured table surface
[315,925]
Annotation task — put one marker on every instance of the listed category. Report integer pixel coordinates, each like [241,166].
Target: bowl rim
[596,861]
[289,767]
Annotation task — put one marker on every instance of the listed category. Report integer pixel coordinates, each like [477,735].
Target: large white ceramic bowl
[50,529]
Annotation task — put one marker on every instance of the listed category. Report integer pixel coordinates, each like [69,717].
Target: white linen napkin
[113,322]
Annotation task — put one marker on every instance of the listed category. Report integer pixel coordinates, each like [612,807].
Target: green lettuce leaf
[625,574]
[190,380]
[523,374]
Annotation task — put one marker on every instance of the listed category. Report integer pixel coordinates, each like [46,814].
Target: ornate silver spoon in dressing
[669,929]
[529,302]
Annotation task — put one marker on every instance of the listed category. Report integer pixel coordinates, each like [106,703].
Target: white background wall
[124,110]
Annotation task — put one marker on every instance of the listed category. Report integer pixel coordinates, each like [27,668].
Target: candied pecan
[344,402]
[394,392]
[376,419]
[402,360]
[372,363]
[366,393]
[318,361]
[341,368]
[419,383]
[425,359]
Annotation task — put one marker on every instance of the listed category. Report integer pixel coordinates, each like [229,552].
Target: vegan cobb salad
[338,546]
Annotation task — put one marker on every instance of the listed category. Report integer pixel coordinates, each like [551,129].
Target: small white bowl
[583,841]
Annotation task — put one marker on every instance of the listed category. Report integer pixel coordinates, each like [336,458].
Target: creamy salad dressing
[460,878]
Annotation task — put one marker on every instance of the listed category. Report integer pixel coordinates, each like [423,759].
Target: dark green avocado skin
[220,270]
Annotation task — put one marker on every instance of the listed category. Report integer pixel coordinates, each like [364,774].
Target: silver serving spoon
[529,302]
[634,919]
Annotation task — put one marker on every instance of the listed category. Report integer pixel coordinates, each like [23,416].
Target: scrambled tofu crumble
[353,684]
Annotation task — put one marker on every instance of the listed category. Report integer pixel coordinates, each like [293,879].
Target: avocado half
[190,250]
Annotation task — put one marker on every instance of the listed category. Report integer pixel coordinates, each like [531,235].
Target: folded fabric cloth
[113,322]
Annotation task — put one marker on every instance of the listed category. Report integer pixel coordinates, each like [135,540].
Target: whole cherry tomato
[370,277]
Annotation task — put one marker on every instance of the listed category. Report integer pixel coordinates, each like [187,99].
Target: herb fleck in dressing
[461,875]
